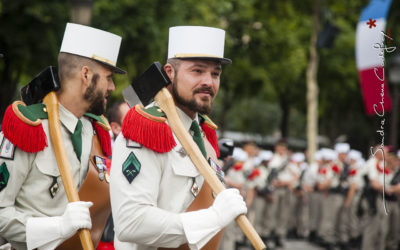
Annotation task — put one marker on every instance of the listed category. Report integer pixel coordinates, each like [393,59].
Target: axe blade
[150,82]
[130,96]
[45,82]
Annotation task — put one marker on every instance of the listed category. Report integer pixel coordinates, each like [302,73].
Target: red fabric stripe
[371,87]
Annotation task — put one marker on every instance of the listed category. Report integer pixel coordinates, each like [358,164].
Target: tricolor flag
[370,42]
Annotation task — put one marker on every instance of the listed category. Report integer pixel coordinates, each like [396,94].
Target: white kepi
[197,42]
[99,45]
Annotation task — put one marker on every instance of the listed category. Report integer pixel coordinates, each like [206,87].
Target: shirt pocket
[47,166]
[182,164]
[44,181]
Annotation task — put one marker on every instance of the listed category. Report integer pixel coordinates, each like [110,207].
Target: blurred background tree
[30,38]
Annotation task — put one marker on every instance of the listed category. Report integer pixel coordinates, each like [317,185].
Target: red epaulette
[22,126]
[336,169]
[102,128]
[352,172]
[238,166]
[381,170]
[322,171]
[148,127]
[255,173]
[104,138]
[209,128]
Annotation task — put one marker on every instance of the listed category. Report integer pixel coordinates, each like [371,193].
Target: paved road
[293,245]
[300,245]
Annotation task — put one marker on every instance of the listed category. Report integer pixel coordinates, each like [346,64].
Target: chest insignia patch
[6,149]
[132,144]
[54,187]
[131,167]
[182,152]
[4,176]
[101,168]
[218,171]
[195,188]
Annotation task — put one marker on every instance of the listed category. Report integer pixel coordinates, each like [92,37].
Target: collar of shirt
[186,120]
[68,119]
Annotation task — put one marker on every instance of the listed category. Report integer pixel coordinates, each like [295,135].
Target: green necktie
[76,139]
[197,137]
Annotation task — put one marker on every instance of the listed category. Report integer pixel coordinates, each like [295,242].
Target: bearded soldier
[153,180]
[34,210]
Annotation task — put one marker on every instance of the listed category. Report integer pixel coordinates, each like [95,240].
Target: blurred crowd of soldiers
[336,202]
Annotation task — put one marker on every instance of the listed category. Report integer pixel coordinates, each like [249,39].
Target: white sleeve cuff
[199,227]
[43,233]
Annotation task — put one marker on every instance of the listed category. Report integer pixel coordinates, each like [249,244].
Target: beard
[95,98]
[192,104]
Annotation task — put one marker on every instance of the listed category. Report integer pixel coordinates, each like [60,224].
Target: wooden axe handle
[62,161]
[167,104]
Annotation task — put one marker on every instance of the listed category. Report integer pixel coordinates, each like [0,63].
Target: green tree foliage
[268,47]
[30,36]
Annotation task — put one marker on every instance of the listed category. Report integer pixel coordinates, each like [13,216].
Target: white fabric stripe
[367,56]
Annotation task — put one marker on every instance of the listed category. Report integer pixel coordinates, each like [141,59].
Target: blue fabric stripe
[375,9]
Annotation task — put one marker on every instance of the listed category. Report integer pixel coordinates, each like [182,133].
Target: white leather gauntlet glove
[49,232]
[75,217]
[228,205]
[200,226]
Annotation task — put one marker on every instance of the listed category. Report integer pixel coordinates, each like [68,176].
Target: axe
[152,85]
[42,88]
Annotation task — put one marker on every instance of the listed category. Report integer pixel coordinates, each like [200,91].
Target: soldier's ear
[115,127]
[170,71]
[86,75]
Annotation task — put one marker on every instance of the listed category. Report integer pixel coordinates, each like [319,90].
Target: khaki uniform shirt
[325,173]
[379,176]
[289,173]
[311,175]
[240,176]
[27,193]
